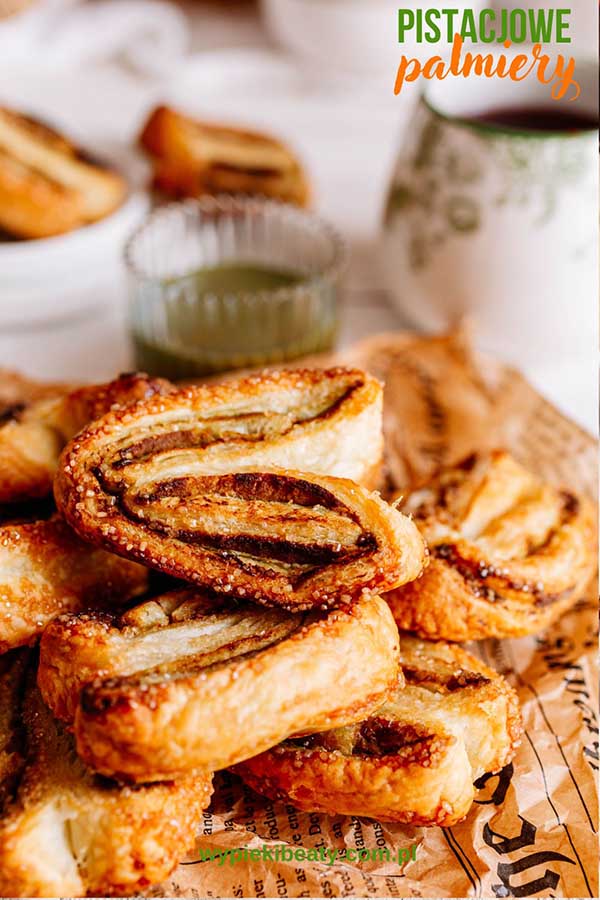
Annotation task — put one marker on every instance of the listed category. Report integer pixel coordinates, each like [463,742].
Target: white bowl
[346,36]
[54,278]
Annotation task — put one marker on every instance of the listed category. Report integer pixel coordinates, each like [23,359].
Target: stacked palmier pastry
[63,829]
[278,655]
[257,493]
[508,555]
[449,720]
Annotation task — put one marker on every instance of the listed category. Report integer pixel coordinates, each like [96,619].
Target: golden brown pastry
[67,832]
[171,632]
[45,570]
[48,185]
[509,553]
[189,681]
[192,158]
[189,484]
[33,430]
[415,759]
[18,391]
[280,538]
[326,421]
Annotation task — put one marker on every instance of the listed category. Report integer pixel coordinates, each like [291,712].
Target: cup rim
[505,130]
[462,121]
[224,202]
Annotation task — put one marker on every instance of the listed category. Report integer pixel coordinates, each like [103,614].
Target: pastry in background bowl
[509,553]
[414,760]
[191,158]
[48,185]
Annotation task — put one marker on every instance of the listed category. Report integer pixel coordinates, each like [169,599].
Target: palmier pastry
[192,158]
[187,484]
[509,554]
[48,185]
[32,434]
[188,681]
[45,570]
[415,759]
[18,391]
[65,832]
[324,421]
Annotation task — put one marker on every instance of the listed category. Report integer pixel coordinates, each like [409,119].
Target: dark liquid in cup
[536,119]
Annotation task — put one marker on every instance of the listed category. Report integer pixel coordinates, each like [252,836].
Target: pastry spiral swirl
[415,759]
[509,554]
[190,681]
[191,484]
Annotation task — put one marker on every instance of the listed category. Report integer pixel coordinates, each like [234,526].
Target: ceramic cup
[496,225]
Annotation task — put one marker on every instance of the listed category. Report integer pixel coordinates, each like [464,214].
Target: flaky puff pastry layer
[189,681]
[187,484]
[509,554]
[45,570]
[415,759]
[66,832]
[325,421]
[34,429]
[278,537]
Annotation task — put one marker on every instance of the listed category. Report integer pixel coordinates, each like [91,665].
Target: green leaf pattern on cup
[440,191]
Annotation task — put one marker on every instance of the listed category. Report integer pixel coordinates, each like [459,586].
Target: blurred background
[318,76]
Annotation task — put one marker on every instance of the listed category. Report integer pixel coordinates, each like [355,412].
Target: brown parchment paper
[532,829]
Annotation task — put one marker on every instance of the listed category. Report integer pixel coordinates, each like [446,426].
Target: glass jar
[229,282]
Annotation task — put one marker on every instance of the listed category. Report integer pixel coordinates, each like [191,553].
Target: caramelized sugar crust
[46,570]
[414,759]
[67,832]
[191,680]
[509,554]
[39,421]
[194,484]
